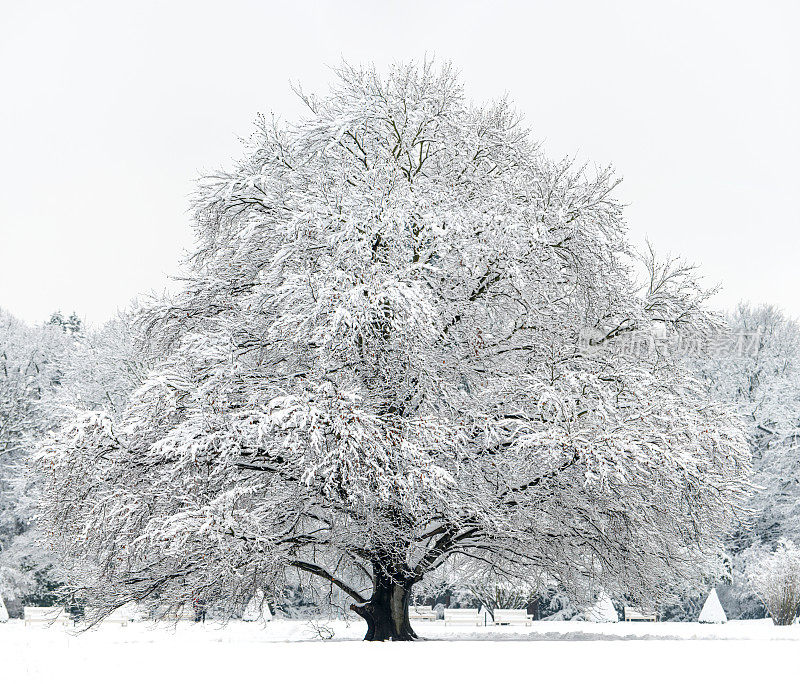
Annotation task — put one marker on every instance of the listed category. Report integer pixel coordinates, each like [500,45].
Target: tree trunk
[386,613]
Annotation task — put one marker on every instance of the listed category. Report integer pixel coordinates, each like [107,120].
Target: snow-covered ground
[289,651]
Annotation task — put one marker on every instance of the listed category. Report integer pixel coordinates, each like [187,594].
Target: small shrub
[775,578]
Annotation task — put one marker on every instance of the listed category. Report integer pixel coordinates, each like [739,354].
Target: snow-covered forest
[410,361]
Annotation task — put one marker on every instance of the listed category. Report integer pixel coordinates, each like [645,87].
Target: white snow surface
[284,650]
[713,611]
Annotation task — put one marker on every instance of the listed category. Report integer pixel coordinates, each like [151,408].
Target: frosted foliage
[503,595]
[712,610]
[103,368]
[375,366]
[764,387]
[32,362]
[775,578]
[47,373]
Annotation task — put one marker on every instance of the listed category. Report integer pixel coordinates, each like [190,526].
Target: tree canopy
[379,361]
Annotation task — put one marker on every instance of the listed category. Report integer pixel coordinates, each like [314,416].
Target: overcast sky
[109,110]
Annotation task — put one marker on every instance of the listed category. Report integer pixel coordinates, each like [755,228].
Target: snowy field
[289,651]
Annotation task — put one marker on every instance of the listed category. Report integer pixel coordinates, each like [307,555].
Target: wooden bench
[461,616]
[633,615]
[511,616]
[50,616]
[422,613]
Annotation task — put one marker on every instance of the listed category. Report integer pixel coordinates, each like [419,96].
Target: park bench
[511,616]
[121,616]
[633,615]
[461,616]
[49,616]
[422,613]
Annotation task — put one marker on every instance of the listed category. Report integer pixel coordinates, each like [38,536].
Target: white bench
[422,613]
[511,616]
[121,616]
[633,615]
[461,616]
[49,616]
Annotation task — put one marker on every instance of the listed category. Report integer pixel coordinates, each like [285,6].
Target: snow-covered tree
[602,610]
[775,578]
[493,593]
[71,324]
[712,611]
[257,609]
[32,359]
[103,368]
[760,377]
[47,372]
[378,363]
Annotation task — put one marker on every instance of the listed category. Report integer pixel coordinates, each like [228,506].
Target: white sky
[108,111]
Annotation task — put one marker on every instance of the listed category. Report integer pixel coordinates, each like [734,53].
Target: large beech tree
[377,364]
